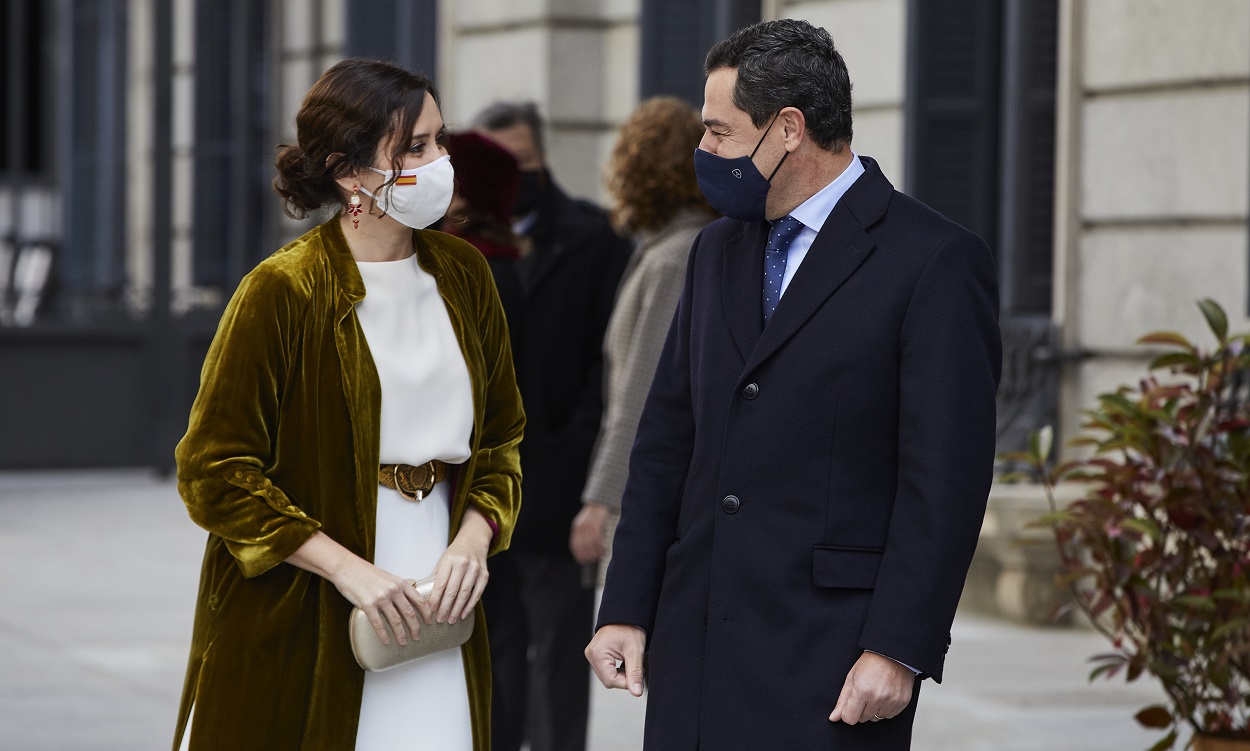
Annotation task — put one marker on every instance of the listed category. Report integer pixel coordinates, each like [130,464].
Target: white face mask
[418,197]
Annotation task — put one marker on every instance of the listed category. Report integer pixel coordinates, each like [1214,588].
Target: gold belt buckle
[418,494]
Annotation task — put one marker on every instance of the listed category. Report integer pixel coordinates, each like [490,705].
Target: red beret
[486,174]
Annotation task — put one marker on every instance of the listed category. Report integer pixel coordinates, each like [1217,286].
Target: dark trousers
[539,617]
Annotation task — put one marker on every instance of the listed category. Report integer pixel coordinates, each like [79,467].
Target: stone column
[578,59]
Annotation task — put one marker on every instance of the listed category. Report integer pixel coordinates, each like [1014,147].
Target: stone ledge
[1015,569]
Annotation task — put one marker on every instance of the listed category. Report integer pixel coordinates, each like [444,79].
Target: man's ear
[793,127]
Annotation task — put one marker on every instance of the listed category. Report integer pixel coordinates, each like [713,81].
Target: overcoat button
[750,391]
[730,504]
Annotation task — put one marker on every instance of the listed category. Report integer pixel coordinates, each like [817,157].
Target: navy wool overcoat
[804,491]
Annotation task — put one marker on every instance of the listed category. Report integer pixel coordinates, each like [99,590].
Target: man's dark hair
[789,63]
[502,115]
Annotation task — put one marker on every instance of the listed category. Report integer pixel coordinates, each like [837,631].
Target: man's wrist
[899,662]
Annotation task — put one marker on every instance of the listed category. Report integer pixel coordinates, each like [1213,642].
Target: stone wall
[578,59]
[1154,178]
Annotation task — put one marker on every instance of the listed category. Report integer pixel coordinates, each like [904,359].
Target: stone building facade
[1101,147]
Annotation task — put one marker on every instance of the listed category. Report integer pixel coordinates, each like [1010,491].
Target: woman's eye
[417,148]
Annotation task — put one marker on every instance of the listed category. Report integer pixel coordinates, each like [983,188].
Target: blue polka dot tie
[783,233]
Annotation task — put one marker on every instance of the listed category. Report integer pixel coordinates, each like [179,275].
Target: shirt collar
[814,211]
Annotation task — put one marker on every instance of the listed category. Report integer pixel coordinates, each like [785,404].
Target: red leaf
[1155,716]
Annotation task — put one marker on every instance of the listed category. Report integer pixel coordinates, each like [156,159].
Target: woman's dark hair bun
[298,184]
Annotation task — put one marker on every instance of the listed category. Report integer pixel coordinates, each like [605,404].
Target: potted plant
[1157,550]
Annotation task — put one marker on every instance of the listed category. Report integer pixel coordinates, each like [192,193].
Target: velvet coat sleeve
[232,432]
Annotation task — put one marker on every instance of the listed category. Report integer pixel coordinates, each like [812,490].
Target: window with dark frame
[980,144]
[234,145]
[981,131]
[62,152]
[412,38]
[676,38]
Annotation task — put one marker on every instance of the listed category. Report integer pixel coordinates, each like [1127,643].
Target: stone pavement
[98,572]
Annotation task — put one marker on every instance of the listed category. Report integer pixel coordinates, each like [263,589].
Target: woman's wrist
[323,556]
[477,528]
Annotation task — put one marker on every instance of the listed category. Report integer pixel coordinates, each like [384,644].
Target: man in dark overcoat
[811,470]
[540,604]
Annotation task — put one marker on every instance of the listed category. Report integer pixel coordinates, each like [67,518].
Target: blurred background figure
[487,179]
[570,264]
[655,200]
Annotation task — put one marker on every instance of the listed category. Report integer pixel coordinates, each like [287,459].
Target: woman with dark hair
[357,426]
[656,199]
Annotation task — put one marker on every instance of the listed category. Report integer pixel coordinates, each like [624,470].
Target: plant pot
[1212,743]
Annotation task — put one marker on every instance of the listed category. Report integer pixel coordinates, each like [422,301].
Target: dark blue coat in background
[801,492]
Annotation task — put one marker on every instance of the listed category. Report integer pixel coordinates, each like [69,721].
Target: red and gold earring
[355,207]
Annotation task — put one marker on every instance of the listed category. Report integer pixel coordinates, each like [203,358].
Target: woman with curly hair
[656,198]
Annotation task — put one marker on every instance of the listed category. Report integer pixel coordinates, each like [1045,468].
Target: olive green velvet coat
[283,441]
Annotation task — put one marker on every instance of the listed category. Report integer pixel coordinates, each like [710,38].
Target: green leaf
[1172,338]
[1225,629]
[1237,595]
[1155,716]
[1216,318]
[1109,670]
[1194,601]
[1147,527]
[1166,743]
[1175,359]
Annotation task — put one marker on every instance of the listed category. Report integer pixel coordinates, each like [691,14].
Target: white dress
[427,413]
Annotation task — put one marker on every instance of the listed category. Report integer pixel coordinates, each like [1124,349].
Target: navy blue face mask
[735,187]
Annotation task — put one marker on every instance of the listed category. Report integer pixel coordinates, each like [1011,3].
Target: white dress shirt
[813,212]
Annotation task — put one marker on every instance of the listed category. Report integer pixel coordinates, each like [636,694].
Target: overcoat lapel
[837,252]
[742,286]
[835,255]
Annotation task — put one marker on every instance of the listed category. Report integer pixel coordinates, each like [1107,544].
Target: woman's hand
[460,574]
[384,597]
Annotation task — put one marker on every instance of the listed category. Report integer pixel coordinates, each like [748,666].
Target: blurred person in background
[570,265]
[487,179]
[357,425]
[656,200]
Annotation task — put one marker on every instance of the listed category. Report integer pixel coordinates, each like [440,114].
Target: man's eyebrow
[714,123]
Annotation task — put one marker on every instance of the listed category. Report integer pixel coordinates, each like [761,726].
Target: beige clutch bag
[373,655]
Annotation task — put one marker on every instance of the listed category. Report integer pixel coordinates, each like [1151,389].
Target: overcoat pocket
[837,566]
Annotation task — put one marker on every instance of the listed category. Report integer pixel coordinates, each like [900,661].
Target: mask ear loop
[783,161]
[761,142]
